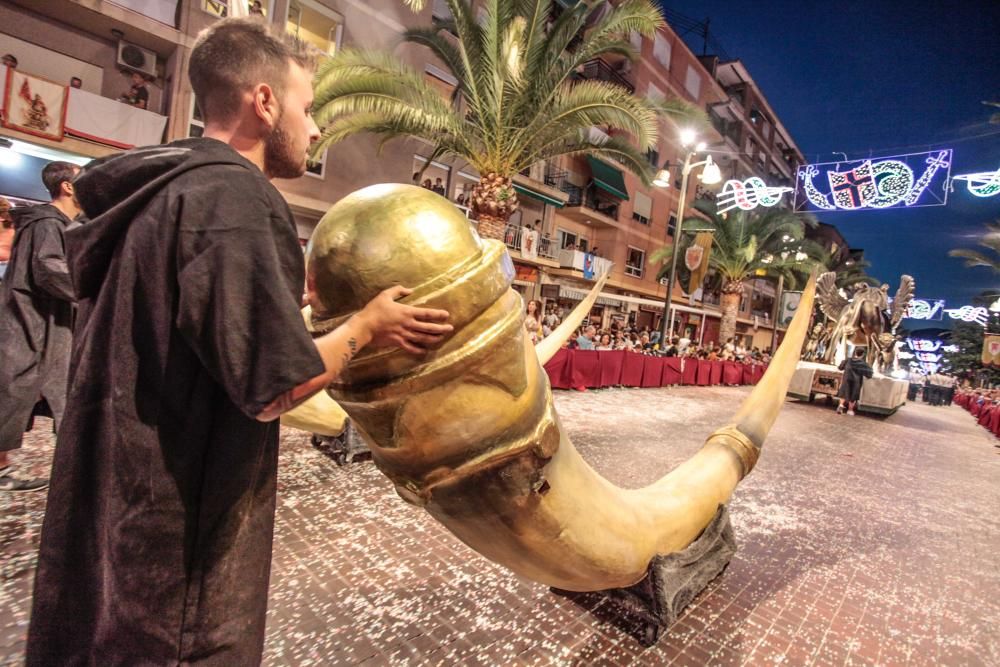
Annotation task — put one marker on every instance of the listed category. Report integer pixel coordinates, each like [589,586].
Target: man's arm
[383,321]
[49,269]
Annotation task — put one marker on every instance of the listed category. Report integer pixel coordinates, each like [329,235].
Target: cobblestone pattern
[861,541]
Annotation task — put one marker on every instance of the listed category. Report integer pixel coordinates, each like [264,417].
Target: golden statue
[469,431]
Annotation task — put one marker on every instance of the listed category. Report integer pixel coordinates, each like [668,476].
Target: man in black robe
[856,369]
[36,317]
[156,546]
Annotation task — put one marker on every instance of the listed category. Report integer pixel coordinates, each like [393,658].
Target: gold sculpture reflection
[469,431]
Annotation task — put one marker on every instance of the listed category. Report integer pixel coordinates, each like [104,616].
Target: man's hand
[390,323]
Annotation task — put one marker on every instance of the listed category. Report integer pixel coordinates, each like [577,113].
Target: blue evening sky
[878,78]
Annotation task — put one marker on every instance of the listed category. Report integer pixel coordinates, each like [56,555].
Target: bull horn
[548,346]
[470,433]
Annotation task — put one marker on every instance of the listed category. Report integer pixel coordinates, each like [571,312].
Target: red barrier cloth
[652,372]
[690,373]
[716,376]
[994,424]
[632,369]
[746,374]
[976,409]
[556,369]
[704,372]
[671,371]
[731,372]
[984,415]
[758,372]
[586,368]
[611,367]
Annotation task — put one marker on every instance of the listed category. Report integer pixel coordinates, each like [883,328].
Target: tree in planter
[518,100]
[749,243]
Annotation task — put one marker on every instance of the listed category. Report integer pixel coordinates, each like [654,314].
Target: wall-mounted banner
[748,195]
[901,181]
[925,309]
[34,105]
[991,350]
[981,184]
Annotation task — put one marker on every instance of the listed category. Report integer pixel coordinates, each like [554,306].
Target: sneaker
[850,413]
[8,483]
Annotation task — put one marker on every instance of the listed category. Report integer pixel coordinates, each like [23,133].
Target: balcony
[576,259]
[599,70]
[515,239]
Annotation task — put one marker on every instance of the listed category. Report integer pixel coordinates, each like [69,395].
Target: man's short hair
[55,174]
[234,55]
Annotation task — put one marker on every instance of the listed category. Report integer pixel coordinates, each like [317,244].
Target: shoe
[8,483]
[850,413]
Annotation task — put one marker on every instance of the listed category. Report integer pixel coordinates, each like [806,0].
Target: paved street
[861,541]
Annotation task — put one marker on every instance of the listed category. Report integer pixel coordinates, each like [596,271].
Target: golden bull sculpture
[469,431]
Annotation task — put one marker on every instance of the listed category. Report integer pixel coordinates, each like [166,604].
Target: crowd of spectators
[636,339]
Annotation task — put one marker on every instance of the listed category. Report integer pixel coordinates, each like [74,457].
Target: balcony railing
[514,238]
[577,259]
[598,70]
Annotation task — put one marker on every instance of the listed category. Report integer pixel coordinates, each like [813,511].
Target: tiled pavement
[861,541]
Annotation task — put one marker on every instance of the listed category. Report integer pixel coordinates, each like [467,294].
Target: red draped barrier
[704,372]
[746,374]
[994,425]
[758,373]
[976,409]
[632,369]
[716,376]
[585,369]
[652,372]
[732,372]
[985,414]
[611,367]
[690,373]
[556,369]
[671,371]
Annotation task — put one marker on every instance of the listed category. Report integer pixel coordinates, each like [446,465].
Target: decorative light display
[977,314]
[951,349]
[923,345]
[748,195]
[925,309]
[981,184]
[880,184]
[928,356]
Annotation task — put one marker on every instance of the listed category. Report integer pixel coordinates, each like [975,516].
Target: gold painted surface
[469,431]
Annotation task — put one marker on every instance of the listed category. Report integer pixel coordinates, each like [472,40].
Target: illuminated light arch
[977,314]
[748,195]
[981,184]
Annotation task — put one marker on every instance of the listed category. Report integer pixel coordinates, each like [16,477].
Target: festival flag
[696,259]
[34,105]
[991,350]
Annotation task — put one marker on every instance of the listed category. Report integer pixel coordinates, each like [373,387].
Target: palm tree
[849,271]
[749,243]
[518,98]
[989,240]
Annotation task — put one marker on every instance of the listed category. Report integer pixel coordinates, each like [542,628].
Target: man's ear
[266,104]
[66,189]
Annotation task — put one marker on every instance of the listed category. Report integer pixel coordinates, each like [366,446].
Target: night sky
[877,79]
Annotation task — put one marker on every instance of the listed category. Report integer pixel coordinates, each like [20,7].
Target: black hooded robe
[855,372]
[36,318]
[156,544]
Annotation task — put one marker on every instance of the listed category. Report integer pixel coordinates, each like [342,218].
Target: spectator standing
[438,186]
[531,322]
[36,313]
[585,341]
[6,234]
[138,94]
[76,82]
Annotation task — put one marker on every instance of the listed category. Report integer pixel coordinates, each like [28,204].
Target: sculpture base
[672,581]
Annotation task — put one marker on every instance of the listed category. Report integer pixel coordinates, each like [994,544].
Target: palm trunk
[730,303]
[493,202]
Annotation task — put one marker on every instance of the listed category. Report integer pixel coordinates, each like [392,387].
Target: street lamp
[711,174]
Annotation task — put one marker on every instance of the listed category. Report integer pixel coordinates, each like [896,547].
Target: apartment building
[589,215]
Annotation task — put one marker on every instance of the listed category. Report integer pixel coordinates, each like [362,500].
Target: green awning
[608,178]
[540,196]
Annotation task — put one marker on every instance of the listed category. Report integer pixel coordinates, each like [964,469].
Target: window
[654,94]
[440,81]
[653,156]
[672,225]
[692,83]
[661,51]
[642,208]
[436,176]
[317,168]
[635,262]
[315,24]
[567,239]
[196,127]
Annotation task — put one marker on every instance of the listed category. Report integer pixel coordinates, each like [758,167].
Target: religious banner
[900,181]
[696,260]
[34,105]
[789,304]
[991,350]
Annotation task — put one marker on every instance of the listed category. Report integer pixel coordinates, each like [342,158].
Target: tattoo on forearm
[294,397]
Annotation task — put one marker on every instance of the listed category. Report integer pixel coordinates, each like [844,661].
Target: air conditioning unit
[137,59]
[664,281]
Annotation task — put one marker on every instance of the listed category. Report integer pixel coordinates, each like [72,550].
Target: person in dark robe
[156,543]
[36,317]
[856,369]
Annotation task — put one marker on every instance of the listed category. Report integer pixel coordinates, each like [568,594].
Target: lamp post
[711,175]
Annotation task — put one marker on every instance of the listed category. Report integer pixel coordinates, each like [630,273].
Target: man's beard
[280,160]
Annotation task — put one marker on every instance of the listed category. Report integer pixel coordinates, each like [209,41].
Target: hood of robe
[24,216]
[113,190]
